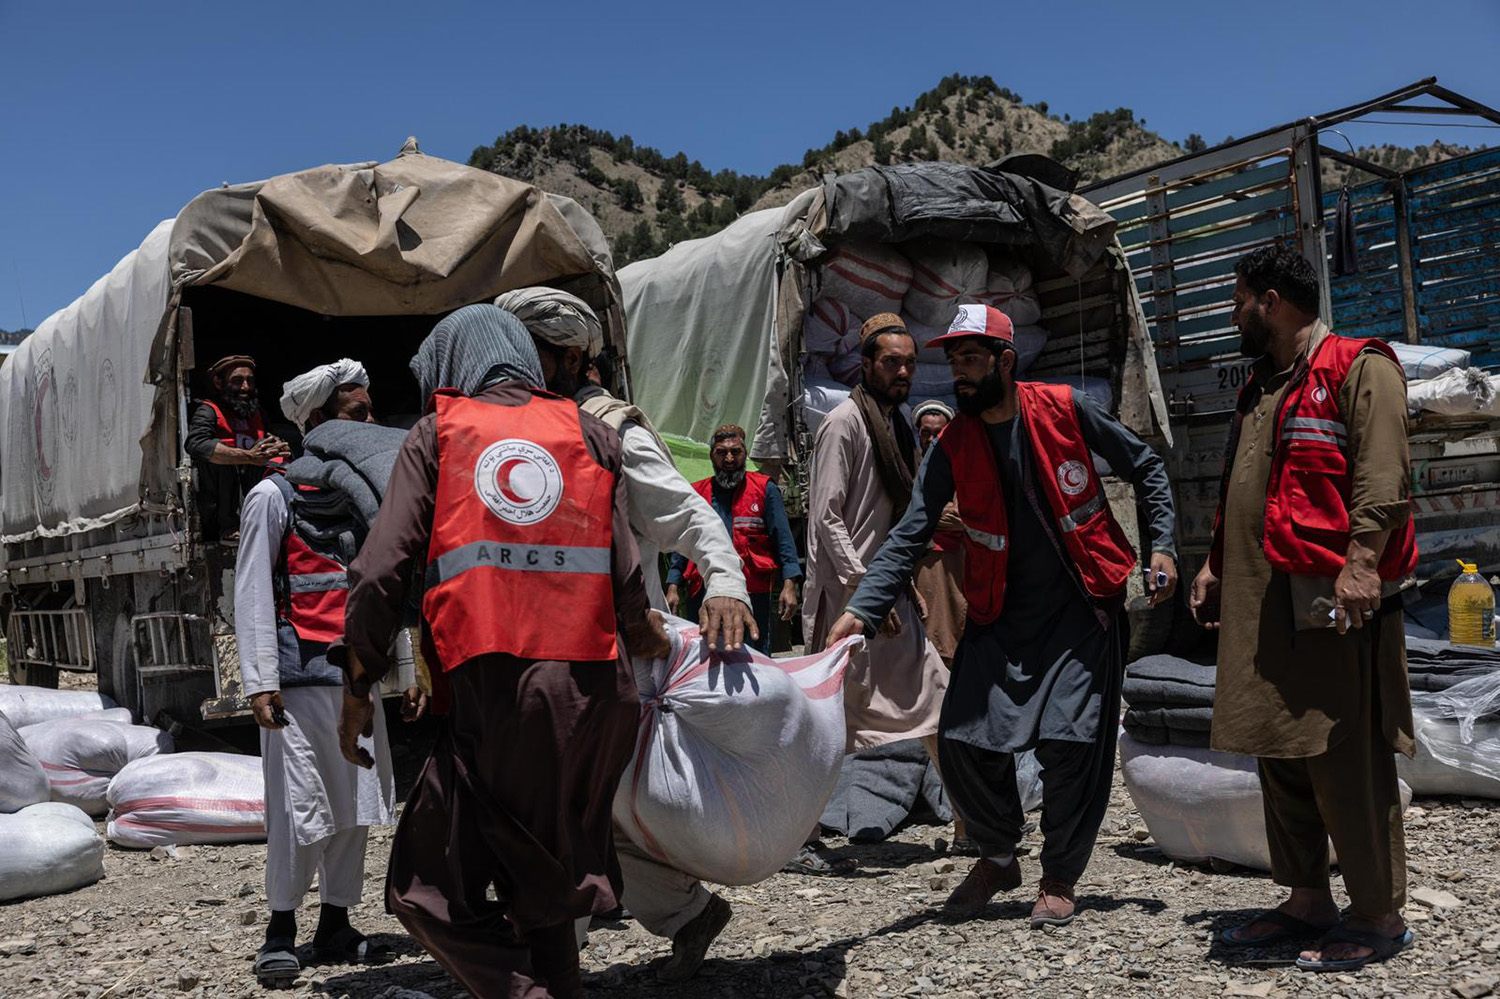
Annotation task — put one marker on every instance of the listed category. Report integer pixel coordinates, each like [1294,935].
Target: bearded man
[227,440]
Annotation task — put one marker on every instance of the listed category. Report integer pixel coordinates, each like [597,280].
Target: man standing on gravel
[289,589]
[513,500]
[1313,540]
[666,514]
[1041,660]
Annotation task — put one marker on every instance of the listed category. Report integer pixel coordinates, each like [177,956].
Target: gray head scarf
[475,347]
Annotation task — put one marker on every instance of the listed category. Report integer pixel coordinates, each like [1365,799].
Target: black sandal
[349,946]
[276,963]
[1291,928]
[1381,946]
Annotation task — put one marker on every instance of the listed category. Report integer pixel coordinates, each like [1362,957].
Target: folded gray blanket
[1156,736]
[879,788]
[1158,681]
[354,458]
[1427,654]
[1185,719]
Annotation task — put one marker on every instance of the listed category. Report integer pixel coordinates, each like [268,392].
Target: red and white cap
[977,320]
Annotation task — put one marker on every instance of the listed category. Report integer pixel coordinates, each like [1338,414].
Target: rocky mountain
[646,200]
[13,336]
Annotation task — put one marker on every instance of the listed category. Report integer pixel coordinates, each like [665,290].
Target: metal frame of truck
[1429,244]
[140,599]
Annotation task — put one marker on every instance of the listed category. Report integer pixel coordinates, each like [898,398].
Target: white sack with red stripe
[945,275]
[29,705]
[23,782]
[736,757]
[48,848]
[870,278]
[1009,289]
[188,798]
[82,755]
[830,334]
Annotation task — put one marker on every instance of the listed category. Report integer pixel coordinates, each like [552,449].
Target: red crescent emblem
[502,482]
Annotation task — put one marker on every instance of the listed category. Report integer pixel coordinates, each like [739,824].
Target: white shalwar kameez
[319,806]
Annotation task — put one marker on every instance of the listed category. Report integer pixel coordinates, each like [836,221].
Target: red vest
[317,590]
[1074,495]
[1306,530]
[522,531]
[237,431]
[752,539]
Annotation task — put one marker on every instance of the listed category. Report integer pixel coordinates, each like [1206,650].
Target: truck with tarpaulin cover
[1411,256]
[105,567]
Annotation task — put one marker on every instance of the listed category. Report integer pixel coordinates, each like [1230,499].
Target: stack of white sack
[1458,736]
[870,278]
[1200,804]
[82,755]
[1420,361]
[188,798]
[1456,392]
[830,336]
[1097,389]
[23,782]
[48,848]
[821,395]
[736,758]
[29,705]
[945,275]
[1009,289]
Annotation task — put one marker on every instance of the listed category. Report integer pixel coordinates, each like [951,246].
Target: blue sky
[113,116]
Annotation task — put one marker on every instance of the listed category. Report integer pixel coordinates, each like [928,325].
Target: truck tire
[120,676]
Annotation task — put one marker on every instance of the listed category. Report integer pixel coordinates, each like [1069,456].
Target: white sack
[82,755]
[46,849]
[1429,775]
[1419,361]
[188,798]
[1200,804]
[1096,388]
[1460,726]
[821,395]
[945,275]
[870,278]
[831,333]
[1030,342]
[931,381]
[29,705]
[1456,392]
[23,782]
[736,758]
[1009,289]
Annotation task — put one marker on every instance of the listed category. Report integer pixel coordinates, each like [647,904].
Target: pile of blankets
[1432,666]
[1169,701]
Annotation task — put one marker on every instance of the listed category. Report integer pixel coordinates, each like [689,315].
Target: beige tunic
[1285,693]
[896,685]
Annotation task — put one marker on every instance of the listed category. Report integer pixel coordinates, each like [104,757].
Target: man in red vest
[1312,544]
[511,502]
[1041,660]
[289,589]
[229,445]
[750,505]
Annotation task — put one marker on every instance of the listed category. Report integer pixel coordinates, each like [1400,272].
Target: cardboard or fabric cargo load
[82,755]
[870,278]
[23,781]
[945,275]
[29,705]
[46,849]
[736,758]
[188,798]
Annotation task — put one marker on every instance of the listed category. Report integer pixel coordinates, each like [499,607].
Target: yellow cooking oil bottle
[1471,609]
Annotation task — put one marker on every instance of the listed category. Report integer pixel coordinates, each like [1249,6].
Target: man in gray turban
[666,514]
[514,504]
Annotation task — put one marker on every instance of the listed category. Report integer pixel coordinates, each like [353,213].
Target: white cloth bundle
[23,782]
[870,278]
[1456,392]
[188,798]
[1009,289]
[82,755]
[945,275]
[1422,361]
[311,390]
[29,705]
[736,758]
[48,848]
[830,332]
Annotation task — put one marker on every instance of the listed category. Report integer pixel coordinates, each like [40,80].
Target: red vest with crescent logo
[237,431]
[1073,491]
[312,588]
[1306,529]
[752,539]
[520,557]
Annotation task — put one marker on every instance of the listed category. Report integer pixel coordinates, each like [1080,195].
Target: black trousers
[1076,778]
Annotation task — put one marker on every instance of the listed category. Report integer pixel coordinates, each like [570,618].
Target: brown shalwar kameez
[517,792]
[1322,712]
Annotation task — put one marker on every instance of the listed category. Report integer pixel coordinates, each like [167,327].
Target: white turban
[307,393]
[932,406]
[557,317]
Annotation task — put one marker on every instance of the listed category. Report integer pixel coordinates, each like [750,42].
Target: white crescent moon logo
[518,480]
[1073,477]
[1320,394]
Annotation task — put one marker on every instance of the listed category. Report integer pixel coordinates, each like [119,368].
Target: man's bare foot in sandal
[1356,942]
[1306,913]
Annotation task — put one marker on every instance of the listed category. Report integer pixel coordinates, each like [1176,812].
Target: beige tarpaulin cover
[89,401]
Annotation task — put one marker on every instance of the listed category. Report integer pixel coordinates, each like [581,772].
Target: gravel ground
[189,925]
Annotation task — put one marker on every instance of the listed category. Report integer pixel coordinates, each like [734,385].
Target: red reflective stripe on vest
[752,539]
[318,591]
[1072,489]
[522,529]
[1307,495]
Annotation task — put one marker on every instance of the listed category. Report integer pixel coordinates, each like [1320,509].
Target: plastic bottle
[1471,609]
